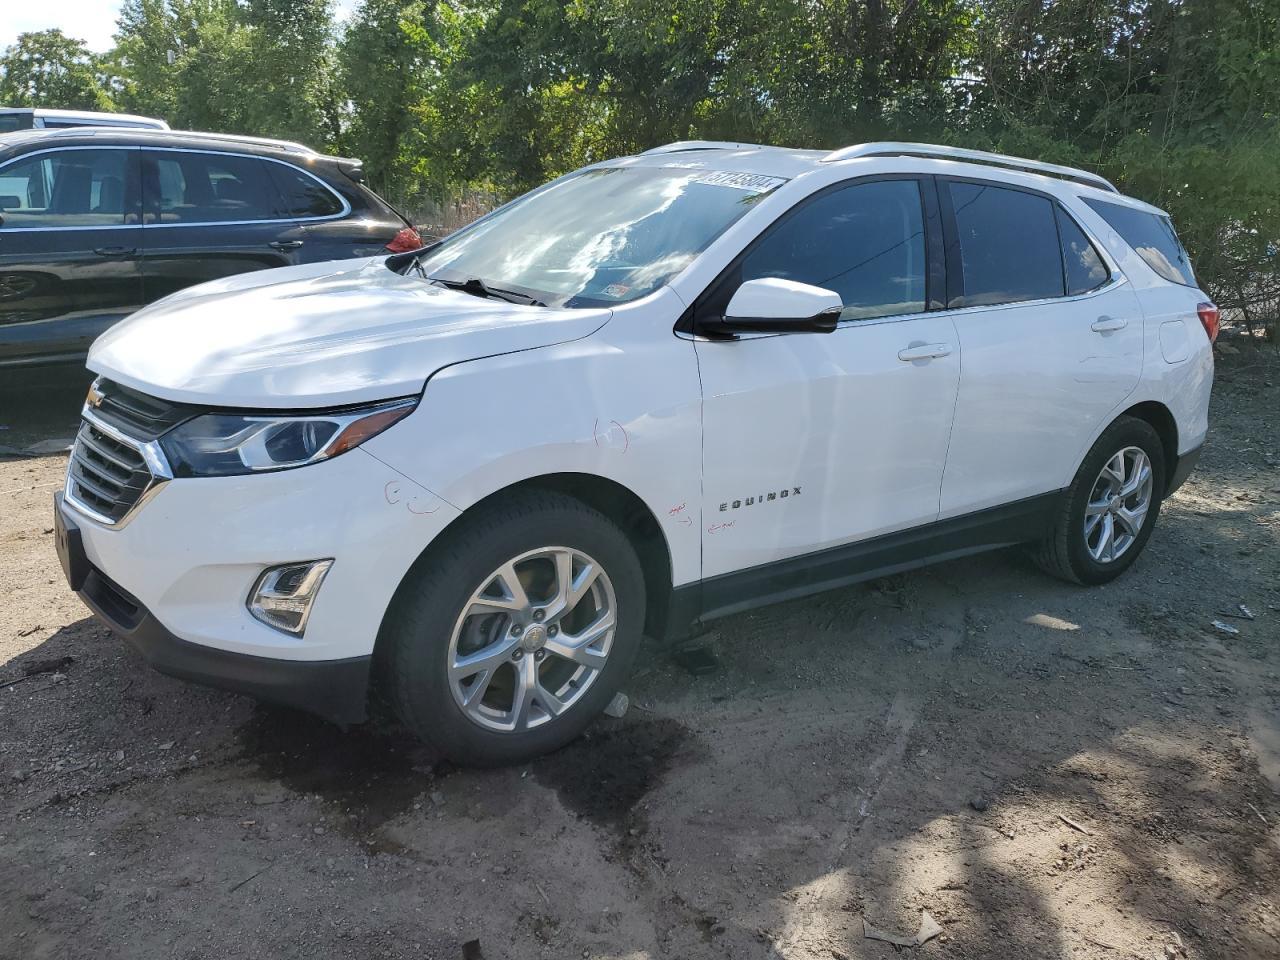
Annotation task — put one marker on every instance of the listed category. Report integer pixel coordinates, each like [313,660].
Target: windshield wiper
[477,287]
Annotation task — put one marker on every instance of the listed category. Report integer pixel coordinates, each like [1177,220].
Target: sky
[92,21]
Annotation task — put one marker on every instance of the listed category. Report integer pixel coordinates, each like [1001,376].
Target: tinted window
[72,188]
[1008,245]
[207,188]
[14,121]
[1085,269]
[304,195]
[1152,237]
[865,242]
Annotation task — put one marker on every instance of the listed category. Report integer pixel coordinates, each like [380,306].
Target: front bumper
[175,579]
[334,689]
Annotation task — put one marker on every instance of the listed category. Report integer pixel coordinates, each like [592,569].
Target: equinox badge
[760,498]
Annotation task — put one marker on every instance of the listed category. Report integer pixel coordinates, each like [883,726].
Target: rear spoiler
[352,168]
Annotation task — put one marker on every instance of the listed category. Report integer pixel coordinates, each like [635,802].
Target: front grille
[134,413]
[107,474]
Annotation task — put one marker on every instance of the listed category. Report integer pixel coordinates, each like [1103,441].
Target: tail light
[1209,318]
[406,240]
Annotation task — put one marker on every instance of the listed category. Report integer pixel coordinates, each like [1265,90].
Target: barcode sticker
[752,182]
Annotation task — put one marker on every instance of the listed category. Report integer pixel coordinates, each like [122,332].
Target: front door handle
[115,253]
[1106,324]
[924,351]
[285,244]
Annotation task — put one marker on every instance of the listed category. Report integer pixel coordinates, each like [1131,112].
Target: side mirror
[772,305]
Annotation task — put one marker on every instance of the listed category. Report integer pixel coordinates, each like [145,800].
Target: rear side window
[865,242]
[1152,238]
[183,187]
[304,195]
[70,188]
[1008,245]
[1085,270]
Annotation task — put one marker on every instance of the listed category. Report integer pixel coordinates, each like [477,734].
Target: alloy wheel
[1118,505]
[533,637]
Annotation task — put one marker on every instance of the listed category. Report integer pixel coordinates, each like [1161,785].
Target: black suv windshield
[600,237]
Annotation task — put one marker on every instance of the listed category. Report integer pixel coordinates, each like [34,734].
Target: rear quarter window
[303,195]
[1152,237]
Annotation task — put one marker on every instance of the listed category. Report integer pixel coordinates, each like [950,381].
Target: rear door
[339,223]
[208,215]
[69,247]
[1052,341]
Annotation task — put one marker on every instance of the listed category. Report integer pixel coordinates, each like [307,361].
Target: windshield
[601,237]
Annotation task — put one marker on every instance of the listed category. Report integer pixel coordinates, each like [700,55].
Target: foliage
[51,69]
[259,66]
[1178,101]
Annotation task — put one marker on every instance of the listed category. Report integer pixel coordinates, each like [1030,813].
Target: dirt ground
[1048,771]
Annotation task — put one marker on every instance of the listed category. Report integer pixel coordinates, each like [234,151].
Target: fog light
[283,595]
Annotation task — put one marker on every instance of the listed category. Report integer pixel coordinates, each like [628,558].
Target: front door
[816,440]
[69,245]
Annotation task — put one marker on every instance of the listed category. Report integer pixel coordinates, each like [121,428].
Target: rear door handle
[115,253]
[285,244]
[924,351]
[1106,324]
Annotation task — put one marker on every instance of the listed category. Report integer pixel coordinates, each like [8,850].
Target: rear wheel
[510,637]
[1110,508]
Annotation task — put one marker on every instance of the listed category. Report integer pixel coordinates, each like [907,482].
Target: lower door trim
[1023,521]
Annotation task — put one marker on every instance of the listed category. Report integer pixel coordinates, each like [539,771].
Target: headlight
[226,444]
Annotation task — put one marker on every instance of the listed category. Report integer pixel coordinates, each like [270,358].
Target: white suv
[650,393]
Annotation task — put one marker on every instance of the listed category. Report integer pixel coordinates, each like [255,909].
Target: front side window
[1152,237]
[864,242]
[600,237]
[1008,245]
[207,188]
[68,188]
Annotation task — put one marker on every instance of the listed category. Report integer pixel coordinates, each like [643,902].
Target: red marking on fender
[389,493]
[674,510]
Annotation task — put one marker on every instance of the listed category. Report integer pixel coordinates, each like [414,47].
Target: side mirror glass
[773,305]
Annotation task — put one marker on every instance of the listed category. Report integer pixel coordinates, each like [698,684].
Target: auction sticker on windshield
[753,182]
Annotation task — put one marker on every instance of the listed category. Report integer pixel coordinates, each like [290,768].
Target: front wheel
[1110,507]
[506,640]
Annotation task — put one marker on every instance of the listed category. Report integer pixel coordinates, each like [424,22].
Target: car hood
[322,334]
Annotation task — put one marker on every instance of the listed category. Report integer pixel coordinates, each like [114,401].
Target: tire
[1070,551]
[430,644]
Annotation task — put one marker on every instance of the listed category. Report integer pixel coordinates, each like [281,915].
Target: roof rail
[237,138]
[686,146]
[892,149]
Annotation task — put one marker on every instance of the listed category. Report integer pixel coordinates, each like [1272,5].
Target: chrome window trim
[345,212]
[152,455]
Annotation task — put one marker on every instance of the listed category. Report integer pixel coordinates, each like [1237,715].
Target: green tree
[260,67]
[50,69]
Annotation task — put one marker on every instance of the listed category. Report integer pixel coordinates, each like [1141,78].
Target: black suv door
[69,248]
[339,224]
[208,215]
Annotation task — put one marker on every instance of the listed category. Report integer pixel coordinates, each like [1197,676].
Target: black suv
[97,223]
